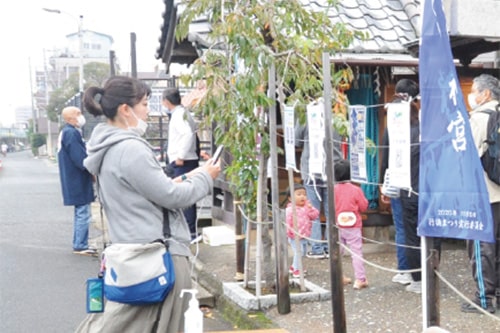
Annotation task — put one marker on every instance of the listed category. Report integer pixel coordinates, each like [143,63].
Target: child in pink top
[305,213]
[350,201]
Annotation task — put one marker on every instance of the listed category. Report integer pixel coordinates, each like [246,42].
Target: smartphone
[95,295]
[217,154]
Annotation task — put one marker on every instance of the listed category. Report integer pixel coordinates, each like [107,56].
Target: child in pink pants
[350,201]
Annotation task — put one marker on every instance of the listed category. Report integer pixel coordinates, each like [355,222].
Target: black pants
[190,212]
[484,259]
[412,239]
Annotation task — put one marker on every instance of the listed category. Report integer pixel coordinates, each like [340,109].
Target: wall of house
[95,45]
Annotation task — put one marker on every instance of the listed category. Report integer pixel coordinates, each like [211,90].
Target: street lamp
[80,45]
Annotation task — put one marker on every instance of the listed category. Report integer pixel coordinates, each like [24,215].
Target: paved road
[42,283]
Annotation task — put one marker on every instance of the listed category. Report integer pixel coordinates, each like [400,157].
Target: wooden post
[337,287]
[240,241]
[258,237]
[281,247]
[432,299]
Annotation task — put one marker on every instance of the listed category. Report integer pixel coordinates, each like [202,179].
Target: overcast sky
[26,30]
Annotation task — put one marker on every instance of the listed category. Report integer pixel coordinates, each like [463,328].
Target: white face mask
[141,126]
[80,121]
[471,99]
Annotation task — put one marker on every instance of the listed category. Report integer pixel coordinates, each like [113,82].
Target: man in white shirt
[182,144]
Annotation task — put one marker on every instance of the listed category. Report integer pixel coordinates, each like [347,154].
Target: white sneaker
[415,287]
[403,278]
[197,239]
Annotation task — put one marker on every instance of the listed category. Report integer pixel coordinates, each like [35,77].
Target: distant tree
[95,73]
[37,140]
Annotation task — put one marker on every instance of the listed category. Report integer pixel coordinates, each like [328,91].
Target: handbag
[138,274]
[346,220]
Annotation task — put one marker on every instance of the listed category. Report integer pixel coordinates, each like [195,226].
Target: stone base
[236,292]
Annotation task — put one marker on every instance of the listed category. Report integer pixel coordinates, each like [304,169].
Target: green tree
[37,140]
[255,34]
[95,73]
[249,36]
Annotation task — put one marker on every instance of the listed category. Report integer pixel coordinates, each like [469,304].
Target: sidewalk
[383,307]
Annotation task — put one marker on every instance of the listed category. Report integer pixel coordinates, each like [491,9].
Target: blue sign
[453,199]
[357,140]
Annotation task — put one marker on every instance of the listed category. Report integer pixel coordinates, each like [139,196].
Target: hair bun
[97,98]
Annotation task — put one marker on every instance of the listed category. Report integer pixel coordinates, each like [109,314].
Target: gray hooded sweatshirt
[133,189]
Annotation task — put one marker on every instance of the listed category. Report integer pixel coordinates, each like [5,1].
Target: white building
[59,65]
[23,114]
[96,47]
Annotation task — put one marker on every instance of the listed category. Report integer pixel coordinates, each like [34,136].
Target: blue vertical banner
[357,140]
[453,199]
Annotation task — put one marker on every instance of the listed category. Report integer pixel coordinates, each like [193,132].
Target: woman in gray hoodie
[134,191]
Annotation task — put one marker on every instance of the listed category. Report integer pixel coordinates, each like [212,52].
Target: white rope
[319,240]
[465,298]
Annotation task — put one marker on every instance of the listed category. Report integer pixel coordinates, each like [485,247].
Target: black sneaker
[313,255]
[469,308]
[327,255]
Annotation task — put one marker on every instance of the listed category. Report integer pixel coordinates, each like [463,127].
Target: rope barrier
[396,271]
[323,241]
[465,298]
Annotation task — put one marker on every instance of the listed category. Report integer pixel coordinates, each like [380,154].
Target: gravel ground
[383,307]
[386,306]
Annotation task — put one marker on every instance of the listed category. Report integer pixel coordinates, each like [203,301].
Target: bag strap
[166,224]
[488,112]
[101,213]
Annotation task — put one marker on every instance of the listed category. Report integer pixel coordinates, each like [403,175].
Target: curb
[231,311]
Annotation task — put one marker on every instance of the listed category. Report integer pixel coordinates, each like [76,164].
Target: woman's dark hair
[342,170]
[407,90]
[407,86]
[117,90]
[172,95]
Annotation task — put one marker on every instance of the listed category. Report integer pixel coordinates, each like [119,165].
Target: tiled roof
[393,28]
[389,23]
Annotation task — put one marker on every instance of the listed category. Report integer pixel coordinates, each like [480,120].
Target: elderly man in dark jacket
[76,181]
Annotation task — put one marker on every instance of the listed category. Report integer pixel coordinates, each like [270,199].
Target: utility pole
[133,56]
[112,63]
[80,54]
[33,110]
[49,131]
[80,47]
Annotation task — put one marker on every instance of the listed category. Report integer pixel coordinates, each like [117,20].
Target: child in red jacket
[306,213]
[350,201]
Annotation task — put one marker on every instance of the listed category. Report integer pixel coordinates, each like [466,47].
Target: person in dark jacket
[76,181]
[406,90]
[409,198]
